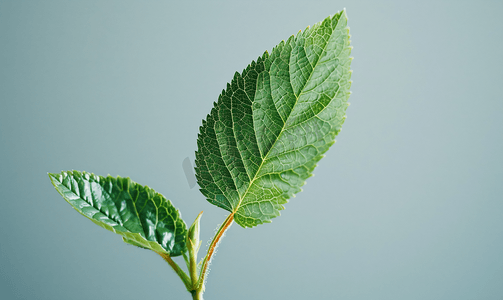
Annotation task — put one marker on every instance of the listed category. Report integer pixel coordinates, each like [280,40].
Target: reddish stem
[213,245]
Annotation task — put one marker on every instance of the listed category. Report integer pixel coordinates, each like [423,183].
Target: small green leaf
[143,217]
[193,244]
[274,122]
[193,240]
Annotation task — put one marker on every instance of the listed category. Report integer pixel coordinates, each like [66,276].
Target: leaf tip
[54,177]
[344,12]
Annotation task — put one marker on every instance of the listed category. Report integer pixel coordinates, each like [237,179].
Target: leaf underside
[143,217]
[274,122]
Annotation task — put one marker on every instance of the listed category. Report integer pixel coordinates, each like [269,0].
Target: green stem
[197,295]
[193,267]
[186,280]
[193,244]
[195,284]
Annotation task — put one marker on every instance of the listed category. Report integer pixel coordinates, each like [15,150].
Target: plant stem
[196,287]
[193,244]
[197,295]
[186,280]
[211,250]
[193,268]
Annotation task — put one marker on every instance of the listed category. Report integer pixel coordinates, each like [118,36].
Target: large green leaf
[143,217]
[274,122]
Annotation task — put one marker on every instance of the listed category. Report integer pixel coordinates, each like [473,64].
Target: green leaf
[274,122]
[143,217]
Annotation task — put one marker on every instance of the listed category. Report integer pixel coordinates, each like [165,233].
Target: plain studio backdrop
[406,205]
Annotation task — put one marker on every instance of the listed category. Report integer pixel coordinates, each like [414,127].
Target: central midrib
[235,211]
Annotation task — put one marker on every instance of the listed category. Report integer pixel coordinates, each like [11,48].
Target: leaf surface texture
[274,121]
[143,217]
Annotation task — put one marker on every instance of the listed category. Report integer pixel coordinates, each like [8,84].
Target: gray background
[406,205]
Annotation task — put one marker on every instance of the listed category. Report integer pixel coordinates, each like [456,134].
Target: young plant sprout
[260,142]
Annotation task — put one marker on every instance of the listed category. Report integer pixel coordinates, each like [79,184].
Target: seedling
[260,142]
